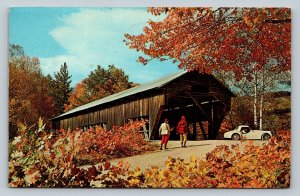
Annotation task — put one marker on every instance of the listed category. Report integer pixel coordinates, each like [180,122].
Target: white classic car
[245,132]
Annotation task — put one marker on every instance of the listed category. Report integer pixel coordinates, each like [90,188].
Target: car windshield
[242,127]
[237,128]
[245,130]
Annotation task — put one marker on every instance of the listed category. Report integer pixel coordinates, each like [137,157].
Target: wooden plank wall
[115,115]
[154,106]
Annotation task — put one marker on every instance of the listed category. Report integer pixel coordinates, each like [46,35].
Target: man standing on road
[182,131]
[164,130]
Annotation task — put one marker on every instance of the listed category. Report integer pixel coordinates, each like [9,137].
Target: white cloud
[95,36]
[76,67]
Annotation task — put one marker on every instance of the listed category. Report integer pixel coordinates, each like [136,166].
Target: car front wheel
[235,136]
[266,137]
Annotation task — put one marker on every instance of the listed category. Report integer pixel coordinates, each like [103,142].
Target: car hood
[231,132]
[262,131]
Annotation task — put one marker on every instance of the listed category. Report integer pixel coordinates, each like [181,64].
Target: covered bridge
[200,97]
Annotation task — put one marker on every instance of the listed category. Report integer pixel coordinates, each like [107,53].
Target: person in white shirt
[164,131]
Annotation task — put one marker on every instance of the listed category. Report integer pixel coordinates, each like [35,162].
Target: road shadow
[188,146]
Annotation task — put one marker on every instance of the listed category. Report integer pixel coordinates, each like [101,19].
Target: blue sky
[84,38]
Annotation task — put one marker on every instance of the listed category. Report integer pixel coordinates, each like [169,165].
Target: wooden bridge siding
[154,106]
[116,115]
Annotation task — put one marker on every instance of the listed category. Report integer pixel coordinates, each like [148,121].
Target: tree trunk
[255,100]
[261,102]
[261,111]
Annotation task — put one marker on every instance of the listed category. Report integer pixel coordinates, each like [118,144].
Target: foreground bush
[238,166]
[37,162]
[97,144]
[40,158]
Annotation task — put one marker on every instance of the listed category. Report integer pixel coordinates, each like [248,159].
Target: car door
[247,133]
[257,134]
[252,135]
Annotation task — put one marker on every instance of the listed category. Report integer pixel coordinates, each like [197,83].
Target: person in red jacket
[182,131]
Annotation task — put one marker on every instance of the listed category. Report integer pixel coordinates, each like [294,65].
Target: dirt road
[196,148]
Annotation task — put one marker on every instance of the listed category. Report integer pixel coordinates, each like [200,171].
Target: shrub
[237,166]
[46,159]
[92,144]
[40,159]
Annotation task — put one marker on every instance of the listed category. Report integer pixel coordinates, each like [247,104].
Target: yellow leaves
[16,140]
[66,172]
[201,170]
[167,163]
[166,174]
[137,172]
[252,21]
[161,174]
[247,21]
[41,125]
[192,164]
[241,165]
[127,166]
[265,173]
[148,173]
[31,176]
[16,182]
[193,159]
[134,182]
[17,154]
[21,127]
[154,167]
[121,163]
[112,175]
[255,21]
[11,167]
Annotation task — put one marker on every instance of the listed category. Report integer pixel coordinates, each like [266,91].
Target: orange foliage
[100,83]
[41,159]
[208,39]
[78,97]
[29,96]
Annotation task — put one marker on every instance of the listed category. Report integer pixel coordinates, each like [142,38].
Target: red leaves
[232,38]
[142,60]
[106,165]
[243,165]
[74,170]
[63,149]
[96,144]
[208,70]
[92,172]
[52,156]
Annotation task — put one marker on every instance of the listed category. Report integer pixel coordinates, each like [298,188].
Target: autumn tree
[247,43]
[260,87]
[61,87]
[29,96]
[78,96]
[100,83]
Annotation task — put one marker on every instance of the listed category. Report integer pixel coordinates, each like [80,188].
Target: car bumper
[227,136]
